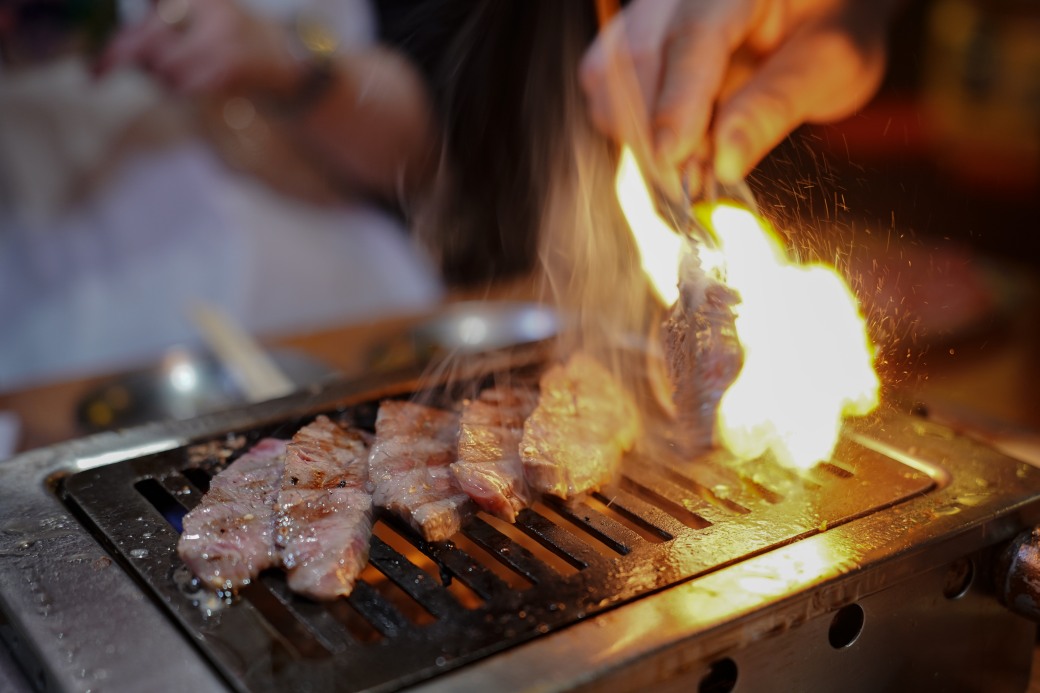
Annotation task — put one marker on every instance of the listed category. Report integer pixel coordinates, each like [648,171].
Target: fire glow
[808,362]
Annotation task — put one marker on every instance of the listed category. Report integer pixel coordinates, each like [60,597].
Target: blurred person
[362,113]
[116,214]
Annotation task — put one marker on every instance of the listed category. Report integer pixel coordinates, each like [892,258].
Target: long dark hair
[499,73]
[525,182]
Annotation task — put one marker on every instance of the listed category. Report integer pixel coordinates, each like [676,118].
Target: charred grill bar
[693,574]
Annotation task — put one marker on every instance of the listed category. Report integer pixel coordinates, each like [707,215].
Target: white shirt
[103,281]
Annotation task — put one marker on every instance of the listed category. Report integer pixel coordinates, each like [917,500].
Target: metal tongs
[691,214]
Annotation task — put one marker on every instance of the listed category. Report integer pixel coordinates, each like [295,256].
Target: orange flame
[659,246]
[808,361]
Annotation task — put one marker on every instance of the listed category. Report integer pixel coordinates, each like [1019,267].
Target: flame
[659,246]
[808,361]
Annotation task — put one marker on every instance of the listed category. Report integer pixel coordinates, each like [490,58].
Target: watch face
[36,31]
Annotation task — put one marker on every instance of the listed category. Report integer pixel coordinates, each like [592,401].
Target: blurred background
[123,203]
[930,199]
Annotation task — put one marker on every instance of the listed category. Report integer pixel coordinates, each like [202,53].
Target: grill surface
[75,619]
[425,608]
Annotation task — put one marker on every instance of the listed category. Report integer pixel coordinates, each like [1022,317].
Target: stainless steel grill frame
[78,619]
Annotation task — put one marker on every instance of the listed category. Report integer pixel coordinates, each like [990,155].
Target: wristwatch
[313,45]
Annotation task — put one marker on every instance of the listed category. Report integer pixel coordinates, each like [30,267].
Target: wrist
[310,71]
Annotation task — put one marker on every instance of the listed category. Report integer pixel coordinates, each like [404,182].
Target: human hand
[722,82]
[206,46]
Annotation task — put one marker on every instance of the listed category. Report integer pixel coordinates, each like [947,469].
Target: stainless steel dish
[468,328]
[184,384]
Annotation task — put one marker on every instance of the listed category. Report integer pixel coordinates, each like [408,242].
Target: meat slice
[410,465]
[325,509]
[584,422]
[489,467]
[229,537]
[703,355]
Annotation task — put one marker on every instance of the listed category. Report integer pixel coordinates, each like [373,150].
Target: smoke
[526,184]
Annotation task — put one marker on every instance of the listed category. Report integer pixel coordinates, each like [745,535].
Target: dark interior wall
[947,152]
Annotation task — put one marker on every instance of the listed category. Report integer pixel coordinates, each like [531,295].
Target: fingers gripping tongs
[690,216]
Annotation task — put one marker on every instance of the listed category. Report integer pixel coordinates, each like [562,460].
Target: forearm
[372,125]
[367,121]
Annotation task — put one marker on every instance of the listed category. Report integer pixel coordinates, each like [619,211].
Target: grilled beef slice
[229,537]
[410,465]
[584,422]
[324,509]
[703,357]
[489,467]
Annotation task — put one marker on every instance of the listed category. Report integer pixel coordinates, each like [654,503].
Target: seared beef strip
[409,464]
[229,537]
[489,467]
[585,421]
[703,354]
[325,509]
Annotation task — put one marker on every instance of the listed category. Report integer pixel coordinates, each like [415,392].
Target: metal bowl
[183,385]
[467,328]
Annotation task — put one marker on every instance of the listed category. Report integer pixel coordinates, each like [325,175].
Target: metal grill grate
[423,608]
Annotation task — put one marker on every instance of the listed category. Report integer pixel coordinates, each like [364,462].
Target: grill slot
[725,484]
[651,519]
[160,498]
[295,633]
[538,524]
[497,538]
[664,495]
[415,582]
[413,611]
[835,469]
[465,596]
[331,633]
[198,477]
[761,492]
[360,629]
[383,615]
[615,535]
[490,562]
[692,485]
[422,608]
[461,566]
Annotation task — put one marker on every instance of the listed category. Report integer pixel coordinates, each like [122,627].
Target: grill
[704,573]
